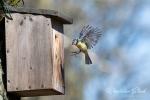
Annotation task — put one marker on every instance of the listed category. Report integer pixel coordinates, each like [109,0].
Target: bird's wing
[5,9]
[15,3]
[5,6]
[90,36]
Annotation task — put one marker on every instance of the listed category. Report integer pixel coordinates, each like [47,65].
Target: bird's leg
[75,53]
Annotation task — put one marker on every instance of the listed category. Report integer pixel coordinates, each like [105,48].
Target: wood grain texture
[29,52]
[3,62]
[58,55]
[49,13]
[35,55]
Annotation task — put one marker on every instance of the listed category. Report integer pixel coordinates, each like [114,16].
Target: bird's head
[75,41]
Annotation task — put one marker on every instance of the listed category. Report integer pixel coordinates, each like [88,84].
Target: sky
[130,77]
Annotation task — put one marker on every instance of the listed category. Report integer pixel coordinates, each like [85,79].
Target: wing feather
[90,36]
[5,6]
[5,9]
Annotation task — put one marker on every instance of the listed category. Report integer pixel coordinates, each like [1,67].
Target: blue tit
[88,38]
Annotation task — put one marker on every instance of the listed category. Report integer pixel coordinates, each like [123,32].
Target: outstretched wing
[5,9]
[90,36]
[15,3]
[4,5]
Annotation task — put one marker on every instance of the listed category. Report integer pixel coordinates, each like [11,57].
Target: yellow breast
[82,46]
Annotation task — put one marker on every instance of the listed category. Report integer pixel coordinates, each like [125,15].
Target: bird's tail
[87,59]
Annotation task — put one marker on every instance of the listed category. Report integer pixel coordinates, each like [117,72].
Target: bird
[4,10]
[4,5]
[15,3]
[88,38]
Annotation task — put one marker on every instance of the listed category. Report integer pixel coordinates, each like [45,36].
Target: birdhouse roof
[49,13]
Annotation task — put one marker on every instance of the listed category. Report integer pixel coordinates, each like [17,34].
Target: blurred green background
[121,59]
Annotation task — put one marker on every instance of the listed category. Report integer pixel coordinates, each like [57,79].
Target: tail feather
[87,59]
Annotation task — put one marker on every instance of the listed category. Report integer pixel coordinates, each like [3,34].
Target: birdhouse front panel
[34,54]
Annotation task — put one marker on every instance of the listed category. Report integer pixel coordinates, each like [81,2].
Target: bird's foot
[75,53]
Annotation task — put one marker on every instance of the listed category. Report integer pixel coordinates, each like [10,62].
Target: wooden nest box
[34,52]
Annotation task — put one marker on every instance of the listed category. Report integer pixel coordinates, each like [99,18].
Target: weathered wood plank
[49,13]
[35,55]
[3,62]
[29,52]
[58,55]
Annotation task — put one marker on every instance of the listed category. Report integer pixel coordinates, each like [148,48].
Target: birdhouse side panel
[58,55]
